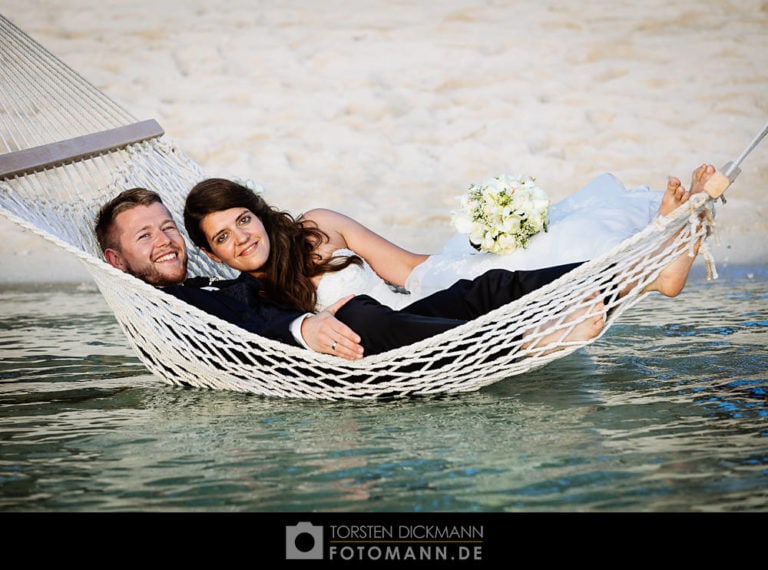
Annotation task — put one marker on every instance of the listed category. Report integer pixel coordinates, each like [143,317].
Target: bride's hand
[324,333]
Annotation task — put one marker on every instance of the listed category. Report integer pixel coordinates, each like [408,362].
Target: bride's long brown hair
[293,259]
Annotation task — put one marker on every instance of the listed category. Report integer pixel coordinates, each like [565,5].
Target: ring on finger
[333,345]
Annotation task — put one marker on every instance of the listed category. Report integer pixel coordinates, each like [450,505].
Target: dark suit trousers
[382,328]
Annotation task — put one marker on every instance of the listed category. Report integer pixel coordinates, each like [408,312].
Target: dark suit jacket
[238,302]
[380,327]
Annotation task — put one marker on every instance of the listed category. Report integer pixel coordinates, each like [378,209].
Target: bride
[311,262]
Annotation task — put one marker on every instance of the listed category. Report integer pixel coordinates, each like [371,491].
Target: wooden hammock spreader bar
[21,162]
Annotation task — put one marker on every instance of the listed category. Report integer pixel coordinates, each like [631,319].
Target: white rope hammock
[67,149]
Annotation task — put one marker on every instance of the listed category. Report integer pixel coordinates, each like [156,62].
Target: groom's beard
[162,275]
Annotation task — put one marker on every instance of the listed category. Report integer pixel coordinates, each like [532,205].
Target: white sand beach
[387,109]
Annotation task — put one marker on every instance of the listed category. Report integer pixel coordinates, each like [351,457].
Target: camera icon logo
[304,541]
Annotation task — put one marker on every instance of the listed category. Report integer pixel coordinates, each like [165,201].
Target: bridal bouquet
[503,213]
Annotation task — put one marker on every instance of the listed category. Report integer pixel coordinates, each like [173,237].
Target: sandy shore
[387,109]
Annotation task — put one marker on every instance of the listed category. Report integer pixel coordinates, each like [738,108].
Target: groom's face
[149,245]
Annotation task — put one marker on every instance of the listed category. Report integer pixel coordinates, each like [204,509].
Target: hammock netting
[67,149]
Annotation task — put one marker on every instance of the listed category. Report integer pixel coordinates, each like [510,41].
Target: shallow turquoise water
[668,412]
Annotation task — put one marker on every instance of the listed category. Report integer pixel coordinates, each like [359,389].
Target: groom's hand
[323,332]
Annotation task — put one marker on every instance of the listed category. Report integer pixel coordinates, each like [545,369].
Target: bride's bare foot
[676,194]
[582,325]
[673,277]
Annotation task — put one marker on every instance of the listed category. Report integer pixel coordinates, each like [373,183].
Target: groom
[138,235]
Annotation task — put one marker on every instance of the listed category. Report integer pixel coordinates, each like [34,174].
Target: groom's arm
[314,332]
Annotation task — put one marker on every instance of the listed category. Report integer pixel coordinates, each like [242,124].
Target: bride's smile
[237,237]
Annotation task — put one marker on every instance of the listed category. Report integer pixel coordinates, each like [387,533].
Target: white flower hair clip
[250,184]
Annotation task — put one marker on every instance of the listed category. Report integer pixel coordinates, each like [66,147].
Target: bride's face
[238,238]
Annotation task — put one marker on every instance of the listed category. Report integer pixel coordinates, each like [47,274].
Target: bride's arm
[391,262]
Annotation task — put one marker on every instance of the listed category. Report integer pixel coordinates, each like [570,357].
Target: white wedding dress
[583,226]
[358,280]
